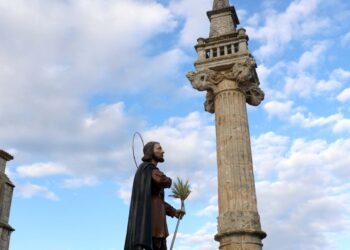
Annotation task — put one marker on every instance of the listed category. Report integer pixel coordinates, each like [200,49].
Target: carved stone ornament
[242,73]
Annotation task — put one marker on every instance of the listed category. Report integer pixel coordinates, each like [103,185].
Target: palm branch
[180,190]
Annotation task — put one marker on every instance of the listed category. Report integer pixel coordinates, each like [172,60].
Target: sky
[79,77]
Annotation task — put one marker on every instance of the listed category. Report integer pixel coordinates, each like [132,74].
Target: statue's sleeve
[169,210]
[160,179]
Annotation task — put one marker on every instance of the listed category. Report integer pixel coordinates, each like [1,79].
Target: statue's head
[153,151]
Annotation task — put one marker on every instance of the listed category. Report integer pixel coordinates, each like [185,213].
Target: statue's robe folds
[139,232]
[148,209]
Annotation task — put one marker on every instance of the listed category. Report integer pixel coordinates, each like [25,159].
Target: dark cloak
[139,232]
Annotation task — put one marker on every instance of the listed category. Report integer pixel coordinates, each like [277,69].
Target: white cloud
[311,58]
[300,19]
[344,95]
[340,74]
[41,170]
[303,85]
[306,85]
[301,185]
[336,80]
[72,51]
[312,121]
[196,23]
[212,208]
[268,150]
[327,85]
[342,126]
[191,137]
[345,39]
[125,189]
[189,143]
[278,108]
[31,190]
[202,239]
[80,182]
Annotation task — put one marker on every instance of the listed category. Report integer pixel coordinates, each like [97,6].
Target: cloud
[41,170]
[305,84]
[336,80]
[312,121]
[196,24]
[312,57]
[345,39]
[189,143]
[337,122]
[31,190]
[80,182]
[342,126]
[125,189]
[192,138]
[212,208]
[344,95]
[277,108]
[202,239]
[300,190]
[64,61]
[268,150]
[300,19]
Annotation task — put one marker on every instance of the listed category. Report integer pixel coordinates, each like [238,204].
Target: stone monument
[226,70]
[6,191]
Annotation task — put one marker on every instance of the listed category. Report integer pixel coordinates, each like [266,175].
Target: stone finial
[220,4]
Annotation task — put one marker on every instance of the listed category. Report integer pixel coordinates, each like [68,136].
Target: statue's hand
[179,213]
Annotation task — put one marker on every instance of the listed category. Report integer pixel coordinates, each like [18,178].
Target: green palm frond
[181,190]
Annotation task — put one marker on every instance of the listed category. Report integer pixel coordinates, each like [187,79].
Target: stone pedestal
[6,192]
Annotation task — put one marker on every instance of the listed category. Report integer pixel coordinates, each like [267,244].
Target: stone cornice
[231,9]
[5,179]
[6,225]
[6,156]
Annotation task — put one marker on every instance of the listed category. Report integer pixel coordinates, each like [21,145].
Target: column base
[242,240]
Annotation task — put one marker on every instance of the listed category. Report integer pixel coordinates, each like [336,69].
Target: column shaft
[239,223]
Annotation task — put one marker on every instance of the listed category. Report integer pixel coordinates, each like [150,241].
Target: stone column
[6,191]
[227,93]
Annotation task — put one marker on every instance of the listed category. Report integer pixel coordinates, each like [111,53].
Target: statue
[147,228]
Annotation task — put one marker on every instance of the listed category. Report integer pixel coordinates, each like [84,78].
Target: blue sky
[78,78]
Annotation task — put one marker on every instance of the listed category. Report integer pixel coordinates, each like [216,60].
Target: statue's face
[158,153]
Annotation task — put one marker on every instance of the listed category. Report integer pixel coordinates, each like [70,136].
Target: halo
[133,146]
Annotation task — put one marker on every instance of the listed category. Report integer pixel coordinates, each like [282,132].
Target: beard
[158,159]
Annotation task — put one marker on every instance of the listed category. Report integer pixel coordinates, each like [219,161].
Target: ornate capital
[206,80]
[242,73]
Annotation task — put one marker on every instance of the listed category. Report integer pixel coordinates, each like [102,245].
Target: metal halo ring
[133,146]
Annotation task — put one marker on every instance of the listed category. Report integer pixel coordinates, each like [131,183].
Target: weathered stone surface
[242,78]
[6,192]
[227,71]
[223,18]
[220,4]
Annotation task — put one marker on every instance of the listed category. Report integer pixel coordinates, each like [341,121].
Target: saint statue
[147,228]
